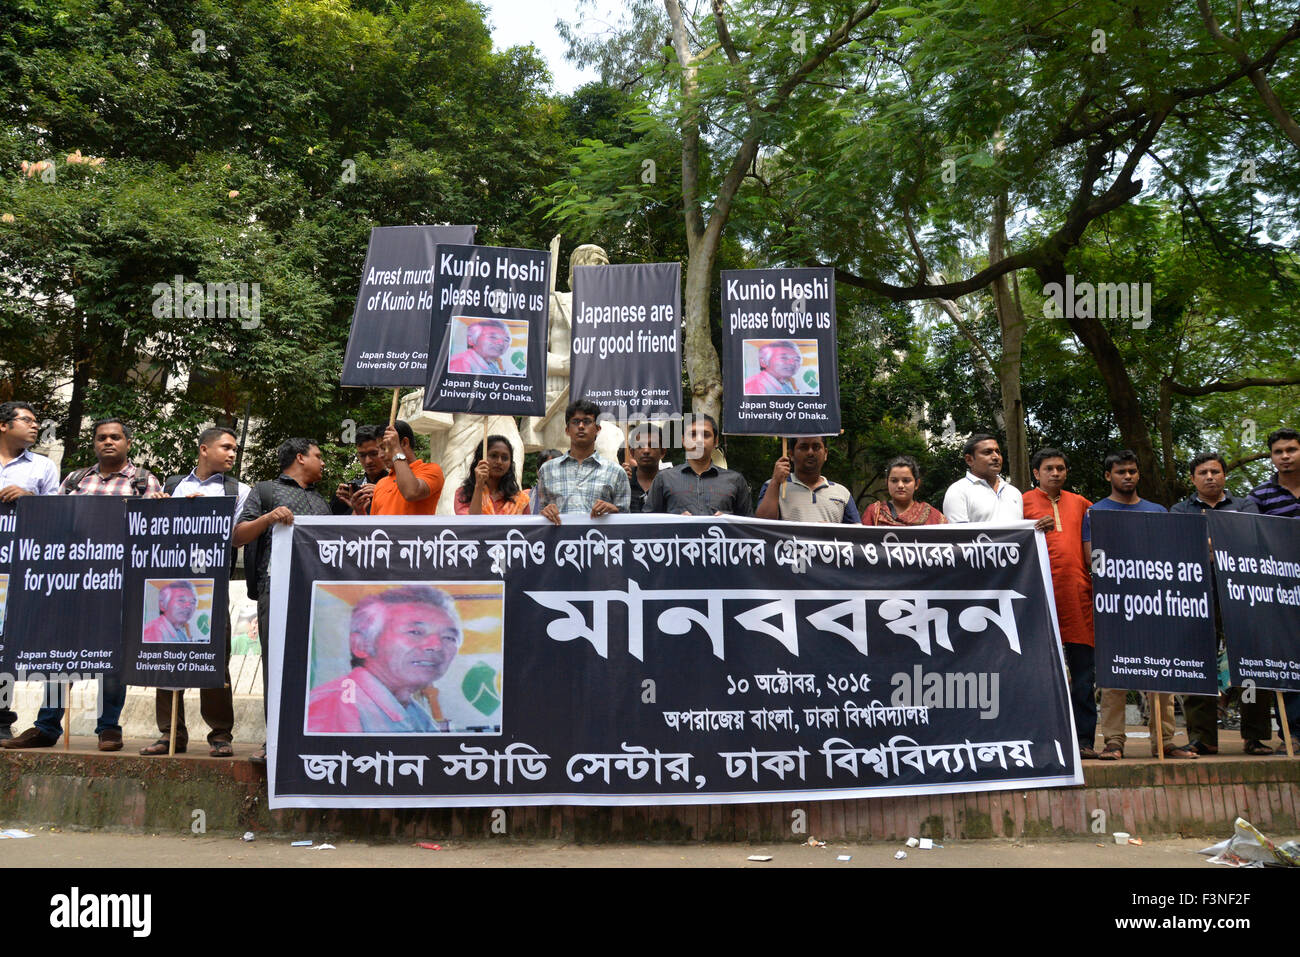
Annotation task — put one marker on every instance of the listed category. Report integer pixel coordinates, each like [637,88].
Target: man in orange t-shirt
[411,487]
[1059,515]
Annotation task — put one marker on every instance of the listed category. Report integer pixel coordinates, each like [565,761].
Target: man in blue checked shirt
[581,480]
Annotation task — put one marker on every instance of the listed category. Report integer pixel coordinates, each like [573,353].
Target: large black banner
[659,660]
[1153,613]
[389,341]
[779,354]
[626,348]
[487,341]
[1257,558]
[65,585]
[175,599]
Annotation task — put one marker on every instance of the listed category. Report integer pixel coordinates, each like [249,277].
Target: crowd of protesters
[580,480]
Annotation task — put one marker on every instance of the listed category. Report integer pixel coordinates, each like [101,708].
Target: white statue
[547,431]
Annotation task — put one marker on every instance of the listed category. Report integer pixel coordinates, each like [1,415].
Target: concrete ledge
[84,788]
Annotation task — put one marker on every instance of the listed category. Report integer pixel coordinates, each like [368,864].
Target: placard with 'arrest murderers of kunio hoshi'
[388,344]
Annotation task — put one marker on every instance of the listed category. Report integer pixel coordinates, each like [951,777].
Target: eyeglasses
[582,423]
[24,418]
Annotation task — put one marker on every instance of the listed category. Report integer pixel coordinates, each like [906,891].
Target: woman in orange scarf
[902,480]
[491,487]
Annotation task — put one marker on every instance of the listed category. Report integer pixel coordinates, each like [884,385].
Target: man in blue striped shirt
[1280,495]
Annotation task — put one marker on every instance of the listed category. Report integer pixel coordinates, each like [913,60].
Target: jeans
[112,698]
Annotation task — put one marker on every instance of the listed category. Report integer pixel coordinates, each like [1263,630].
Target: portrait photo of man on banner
[481,346]
[177,611]
[781,367]
[405,658]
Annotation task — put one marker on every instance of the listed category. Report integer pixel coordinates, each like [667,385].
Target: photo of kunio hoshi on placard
[488,347]
[781,367]
[405,658]
[177,611]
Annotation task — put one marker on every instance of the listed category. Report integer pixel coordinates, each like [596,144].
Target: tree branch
[1247,458]
[1067,136]
[1232,386]
[1238,52]
[690,127]
[729,48]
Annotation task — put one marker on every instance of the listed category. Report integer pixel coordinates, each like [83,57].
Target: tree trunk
[77,402]
[702,366]
[1011,323]
[1165,426]
[1124,402]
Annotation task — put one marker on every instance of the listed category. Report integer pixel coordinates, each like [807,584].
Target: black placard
[626,344]
[1153,611]
[488,336]
[780,370]
[65,585]
[1257,562]
[389,341]
[176,591]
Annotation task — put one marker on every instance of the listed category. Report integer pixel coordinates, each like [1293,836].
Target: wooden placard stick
[1286,727]
[67,718]
[785,452]
[171,739]
[485,418]
[392,412]
[1160,734]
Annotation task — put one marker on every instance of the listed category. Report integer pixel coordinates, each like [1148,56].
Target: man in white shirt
[22,472]
[210,476]
[982,495]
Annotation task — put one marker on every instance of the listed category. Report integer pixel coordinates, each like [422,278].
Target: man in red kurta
[1060,516]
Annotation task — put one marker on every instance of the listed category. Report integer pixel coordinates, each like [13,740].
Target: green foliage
[324,118]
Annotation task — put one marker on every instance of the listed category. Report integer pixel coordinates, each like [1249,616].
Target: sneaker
[110,740]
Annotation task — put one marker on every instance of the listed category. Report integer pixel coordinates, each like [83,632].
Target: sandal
[1181,753]
[222,749]
[162,746]
[1088,754]
[258,757]
[1111,753]
[1258,748]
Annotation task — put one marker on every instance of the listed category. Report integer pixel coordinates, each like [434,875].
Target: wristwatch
[399,457]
